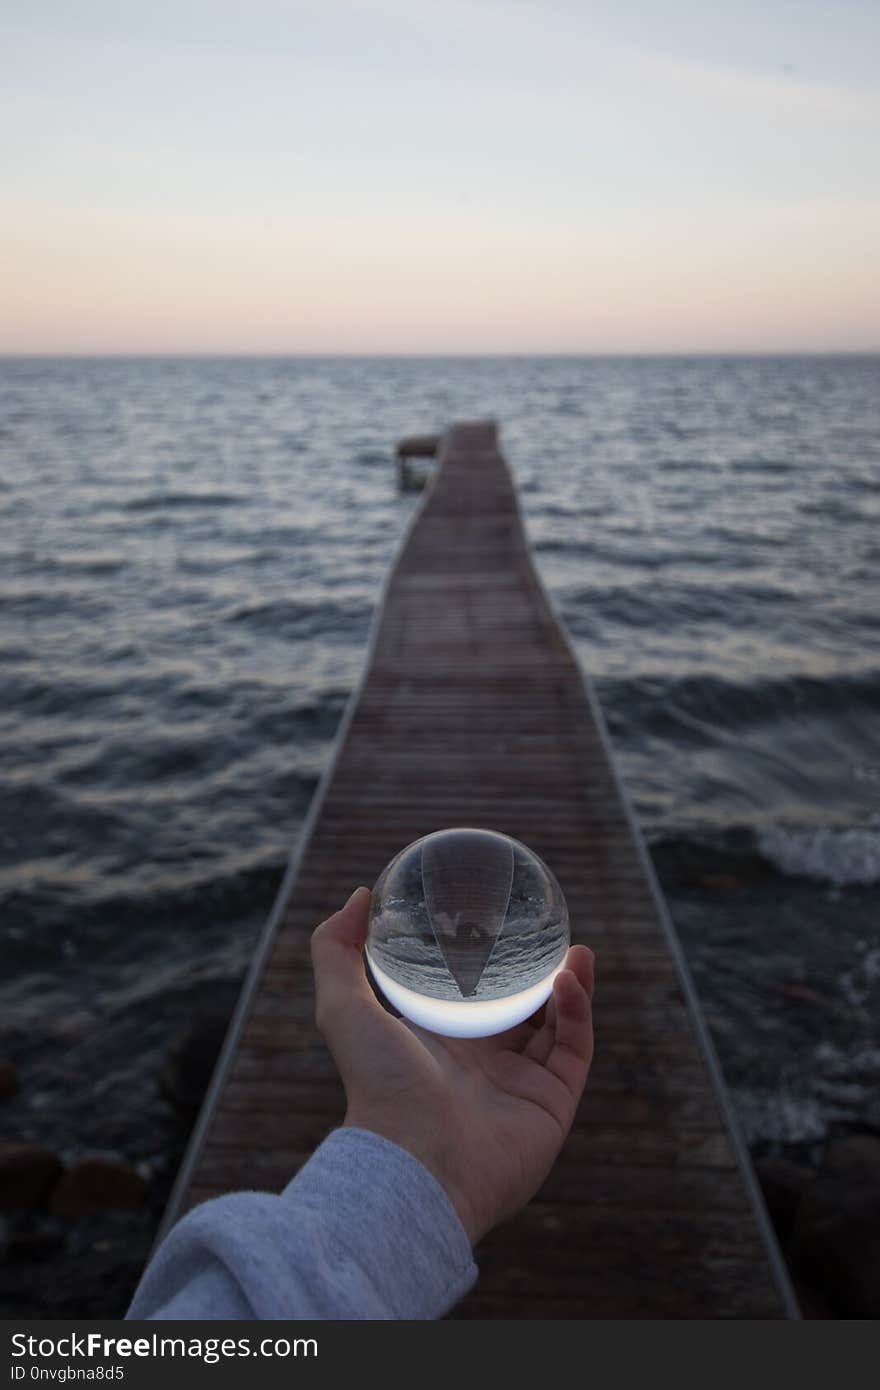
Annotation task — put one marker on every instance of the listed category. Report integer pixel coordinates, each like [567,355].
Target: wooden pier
[473,710]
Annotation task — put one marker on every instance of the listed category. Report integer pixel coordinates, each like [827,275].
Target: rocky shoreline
[84,1183]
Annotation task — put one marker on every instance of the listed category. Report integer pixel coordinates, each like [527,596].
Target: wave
[78,564]
[761,858]
[828,855]
[673,605]
[780,1118]
[762,466]
[46,602]
[159,501]
[665,705]
[328,618]
[618,555]
[678,465]
[198,907]
[832,509]
[636,556]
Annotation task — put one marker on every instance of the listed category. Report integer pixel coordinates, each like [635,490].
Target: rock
[192,1058]
[27,1175]
[802,994]
[725,883]
[34,1237]
[783,1184]
[835,1244]
[98,1184]
[8,1080]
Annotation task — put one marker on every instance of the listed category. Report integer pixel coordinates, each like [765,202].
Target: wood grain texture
[473,711]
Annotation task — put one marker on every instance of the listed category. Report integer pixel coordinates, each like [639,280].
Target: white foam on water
[858,985]
[842,1088]
[833,856]
[835,1061]
[776,1117]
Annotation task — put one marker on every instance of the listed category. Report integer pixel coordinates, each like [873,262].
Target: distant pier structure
[412,477]
[473,710]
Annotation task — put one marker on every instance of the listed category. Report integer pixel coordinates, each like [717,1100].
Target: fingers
[539,1044]
[337,960]
[572,1049]
[348,926]
[581,961]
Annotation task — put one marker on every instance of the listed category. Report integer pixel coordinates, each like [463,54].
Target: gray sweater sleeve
[362,1231]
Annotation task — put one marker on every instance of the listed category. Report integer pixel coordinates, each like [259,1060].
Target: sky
[439,176]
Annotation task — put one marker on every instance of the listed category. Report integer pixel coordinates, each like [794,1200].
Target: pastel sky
[418,176]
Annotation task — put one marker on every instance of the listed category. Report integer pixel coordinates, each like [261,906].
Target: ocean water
[190,555]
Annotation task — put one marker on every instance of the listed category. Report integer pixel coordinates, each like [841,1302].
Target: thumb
[338,963]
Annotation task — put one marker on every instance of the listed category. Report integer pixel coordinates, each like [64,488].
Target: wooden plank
[472,709]
[245,1161]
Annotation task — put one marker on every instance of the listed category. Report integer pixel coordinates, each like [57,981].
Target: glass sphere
[467,930]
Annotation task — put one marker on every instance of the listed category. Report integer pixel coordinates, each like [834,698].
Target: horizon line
[201,354]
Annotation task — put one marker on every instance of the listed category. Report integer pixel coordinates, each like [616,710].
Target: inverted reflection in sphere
[467,930]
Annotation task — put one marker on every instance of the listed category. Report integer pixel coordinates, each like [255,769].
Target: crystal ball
[467,930]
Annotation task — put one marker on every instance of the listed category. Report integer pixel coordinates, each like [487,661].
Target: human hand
[487,1116]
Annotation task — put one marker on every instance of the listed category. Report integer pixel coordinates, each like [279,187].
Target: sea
[191,552]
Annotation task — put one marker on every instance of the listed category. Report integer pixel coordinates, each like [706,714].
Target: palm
[488,1115]
[512,1114]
